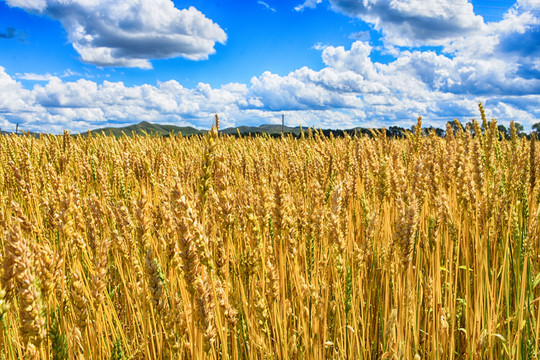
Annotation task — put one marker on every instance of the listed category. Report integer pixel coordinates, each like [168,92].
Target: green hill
[269,129]
[147,128]
[165,130]
[273,130]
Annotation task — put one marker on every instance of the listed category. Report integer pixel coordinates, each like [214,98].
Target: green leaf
[536,280]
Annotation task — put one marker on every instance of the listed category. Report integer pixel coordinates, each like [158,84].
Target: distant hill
[147,128]
[165,130]
[269,129]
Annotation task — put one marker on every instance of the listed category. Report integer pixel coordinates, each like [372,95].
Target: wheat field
[220,247]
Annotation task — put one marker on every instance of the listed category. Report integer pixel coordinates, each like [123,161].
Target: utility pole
[17,129]
[282,123]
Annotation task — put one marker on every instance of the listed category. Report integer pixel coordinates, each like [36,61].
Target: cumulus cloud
[435,72]
[412,22]
[130,33]
[34,5]
[14,97]
[519,31]
[350,90]
[496,58]
[356,59]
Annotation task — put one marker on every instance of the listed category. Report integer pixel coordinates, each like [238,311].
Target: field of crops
[257,248]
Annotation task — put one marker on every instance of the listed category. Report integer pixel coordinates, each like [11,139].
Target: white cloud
[32,5]
[47,76]
[498,65]
[35,77]
[342,95]
[14,97]
[312,4]
[528,4]
[360,35]
[130,33]
[69,73]
[266,6]
[357,59]
[413,22]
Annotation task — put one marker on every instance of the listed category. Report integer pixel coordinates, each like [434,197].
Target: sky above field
[85,64]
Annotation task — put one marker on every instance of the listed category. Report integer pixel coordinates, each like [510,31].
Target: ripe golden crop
[253,248]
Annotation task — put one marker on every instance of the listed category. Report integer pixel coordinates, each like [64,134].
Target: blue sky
[84,64]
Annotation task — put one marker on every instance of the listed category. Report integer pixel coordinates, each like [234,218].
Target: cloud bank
[130,33]
[496,63]
[351,90]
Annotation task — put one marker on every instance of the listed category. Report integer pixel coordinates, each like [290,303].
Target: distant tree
[504,132]
[395,131]
[536,127]
[519,128]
